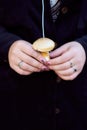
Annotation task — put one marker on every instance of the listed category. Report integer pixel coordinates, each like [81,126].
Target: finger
[30,61]
[61,59]
[70,77]
[21,71]
[31,52]
[26,67]
[68,72]
[59,51]
[59,67]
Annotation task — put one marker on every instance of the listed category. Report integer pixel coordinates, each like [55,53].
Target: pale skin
[71,52]
[22,51]
[61,58]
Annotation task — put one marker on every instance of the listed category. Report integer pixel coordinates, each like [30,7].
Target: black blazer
[30,102]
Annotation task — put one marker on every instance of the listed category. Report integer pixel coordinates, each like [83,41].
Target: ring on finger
[71,64]
[20,64]
[74,69]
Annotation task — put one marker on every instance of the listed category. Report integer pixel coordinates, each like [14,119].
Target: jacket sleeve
[6,40]
[83,42]
[82,26]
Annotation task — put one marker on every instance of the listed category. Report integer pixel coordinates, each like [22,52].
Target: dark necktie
[55,6]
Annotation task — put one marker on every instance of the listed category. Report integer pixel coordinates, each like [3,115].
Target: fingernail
[44,69]
[48,63]
[43,61]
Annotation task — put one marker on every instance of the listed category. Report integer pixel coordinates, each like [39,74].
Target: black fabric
[29,102]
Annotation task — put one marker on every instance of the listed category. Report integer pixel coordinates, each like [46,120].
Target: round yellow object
[44,45]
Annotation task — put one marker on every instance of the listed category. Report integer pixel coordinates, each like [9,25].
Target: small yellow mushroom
[44,46]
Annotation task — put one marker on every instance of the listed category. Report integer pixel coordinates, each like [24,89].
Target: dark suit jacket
[30,102]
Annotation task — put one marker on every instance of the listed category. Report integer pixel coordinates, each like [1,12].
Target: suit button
[57,111]
[58,80]
[5,61]
[64,10]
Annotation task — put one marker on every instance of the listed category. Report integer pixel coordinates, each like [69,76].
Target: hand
[23,59]
[68,60]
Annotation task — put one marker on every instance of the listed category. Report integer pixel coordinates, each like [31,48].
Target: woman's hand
[68,60]
[23,59]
